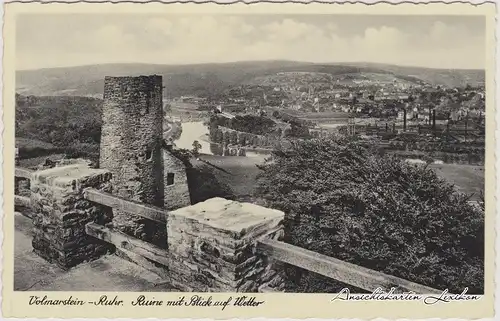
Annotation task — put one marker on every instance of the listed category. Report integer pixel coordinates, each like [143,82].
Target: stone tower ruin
[131,147]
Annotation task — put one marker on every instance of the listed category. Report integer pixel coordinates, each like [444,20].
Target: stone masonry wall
[131,148]
[212,246]
[177,194]
[60,213]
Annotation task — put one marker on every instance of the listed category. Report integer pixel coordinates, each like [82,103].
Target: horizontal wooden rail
[23,172]
[22,201]
[128,243]
[339,270]
[147,211]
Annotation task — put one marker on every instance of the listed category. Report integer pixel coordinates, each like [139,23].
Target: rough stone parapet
[213,247]
[60,213]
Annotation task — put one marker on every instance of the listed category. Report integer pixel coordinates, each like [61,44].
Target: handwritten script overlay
[143,301]
[249,301]
[380,295]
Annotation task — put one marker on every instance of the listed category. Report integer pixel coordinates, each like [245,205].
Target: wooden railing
[327,266]
[137,250]
[339,270]
[144,210]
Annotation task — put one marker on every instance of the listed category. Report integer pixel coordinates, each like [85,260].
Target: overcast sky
[429,41]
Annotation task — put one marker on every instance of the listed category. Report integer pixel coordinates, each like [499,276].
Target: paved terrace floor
[109,273]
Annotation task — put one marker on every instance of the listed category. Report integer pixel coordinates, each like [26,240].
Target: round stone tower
[132,118]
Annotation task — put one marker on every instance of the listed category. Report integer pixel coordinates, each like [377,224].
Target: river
[192,131]
[196,130]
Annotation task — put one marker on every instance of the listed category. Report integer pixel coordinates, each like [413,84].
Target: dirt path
[109,273]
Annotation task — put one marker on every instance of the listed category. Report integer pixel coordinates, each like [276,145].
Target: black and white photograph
[254,153]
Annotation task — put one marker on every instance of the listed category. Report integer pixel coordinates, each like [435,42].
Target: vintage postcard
[241,161]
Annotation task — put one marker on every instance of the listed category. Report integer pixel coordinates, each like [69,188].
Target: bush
[298,130]
[377,211]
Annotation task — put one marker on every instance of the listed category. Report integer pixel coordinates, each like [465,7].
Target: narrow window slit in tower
[149,154]
[170,179]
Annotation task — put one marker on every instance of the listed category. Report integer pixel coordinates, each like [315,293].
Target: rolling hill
[209,79]
[443,77]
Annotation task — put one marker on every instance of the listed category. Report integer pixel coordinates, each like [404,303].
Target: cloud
[160,25]
[222,38]
[439,31]
[383,38]
[289,30]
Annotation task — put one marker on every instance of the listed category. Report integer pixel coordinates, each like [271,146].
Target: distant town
[405,116]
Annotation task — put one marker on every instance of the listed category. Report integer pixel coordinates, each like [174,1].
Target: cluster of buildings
[384,107]
[383,102]
[382,97]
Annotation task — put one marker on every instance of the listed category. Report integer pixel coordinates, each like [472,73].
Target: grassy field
[239,173]
[468,179]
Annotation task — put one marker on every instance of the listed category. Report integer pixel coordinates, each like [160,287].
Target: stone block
[61,212]
[213,245]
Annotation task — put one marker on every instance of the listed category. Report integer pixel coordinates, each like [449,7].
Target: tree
[225,138]
[233,138]
[343,200]
[196,148]
[243,139]
[184,155]
[219,136]
[72,124]
[298,130]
